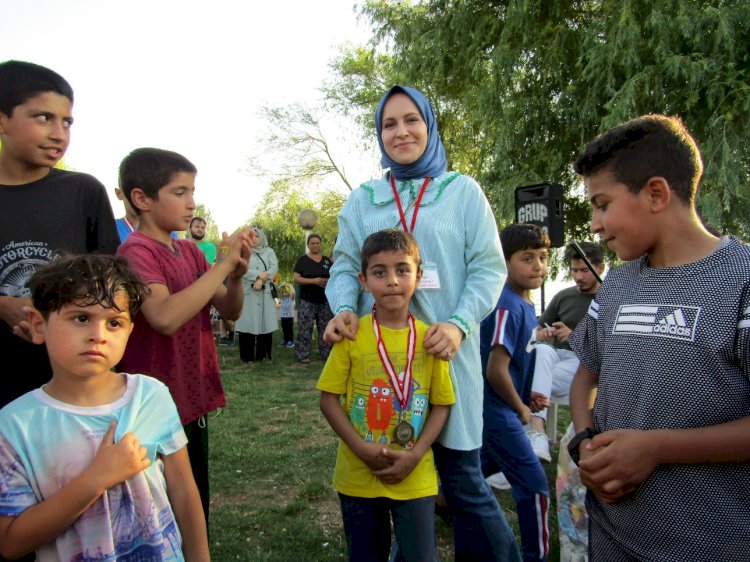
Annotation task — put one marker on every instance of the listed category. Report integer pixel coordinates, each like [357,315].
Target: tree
[296,133]
[277,215]
[520,86]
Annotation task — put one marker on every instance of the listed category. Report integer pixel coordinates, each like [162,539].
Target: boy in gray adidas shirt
[665,450]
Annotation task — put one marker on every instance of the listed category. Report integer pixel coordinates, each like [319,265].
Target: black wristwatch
[575,443]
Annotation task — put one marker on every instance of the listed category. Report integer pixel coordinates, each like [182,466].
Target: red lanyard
[400,382]
[416,205]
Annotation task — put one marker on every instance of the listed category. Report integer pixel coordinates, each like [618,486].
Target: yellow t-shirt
[354,371]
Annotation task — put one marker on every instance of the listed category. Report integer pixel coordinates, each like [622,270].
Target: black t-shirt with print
[64,212]
[310,269]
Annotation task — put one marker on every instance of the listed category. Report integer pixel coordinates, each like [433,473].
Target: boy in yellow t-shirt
[384,467]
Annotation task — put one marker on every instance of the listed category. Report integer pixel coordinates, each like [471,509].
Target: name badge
[430,277]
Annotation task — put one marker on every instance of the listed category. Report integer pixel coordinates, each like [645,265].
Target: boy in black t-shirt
[45,211]
[665,451]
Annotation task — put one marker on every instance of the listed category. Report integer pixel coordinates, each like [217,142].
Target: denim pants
[367,525]
[480,531]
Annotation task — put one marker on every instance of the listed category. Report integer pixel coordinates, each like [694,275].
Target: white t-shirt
[45,443]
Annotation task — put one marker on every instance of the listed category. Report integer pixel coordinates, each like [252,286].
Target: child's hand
[372,455]
[538,402]
[403,462]
[614,463]
[236,249]
[15,312]
[116,462]
[524,413]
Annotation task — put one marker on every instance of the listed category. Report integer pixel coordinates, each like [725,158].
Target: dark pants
[367,526]
[255,348]
[480,531]
[197,449]
[506,449]
[287,326]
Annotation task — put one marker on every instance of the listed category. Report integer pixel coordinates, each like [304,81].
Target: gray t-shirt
[671,347]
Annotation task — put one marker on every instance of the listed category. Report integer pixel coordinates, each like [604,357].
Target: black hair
[522,236]
[643,148]
[593,251]
[315,235]
[150,169]
[21,81]
[196,219]
[389,240]
[86,280]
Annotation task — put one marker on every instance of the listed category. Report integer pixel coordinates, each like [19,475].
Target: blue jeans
[480,531]
[367,525]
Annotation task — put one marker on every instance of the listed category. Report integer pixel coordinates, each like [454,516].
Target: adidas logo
[673,323]
[678,322]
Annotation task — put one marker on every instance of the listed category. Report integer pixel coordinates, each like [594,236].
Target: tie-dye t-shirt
[355,371]
[45,443]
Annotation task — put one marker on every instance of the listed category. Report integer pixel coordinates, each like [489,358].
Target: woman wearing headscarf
[258,321]
[464,271]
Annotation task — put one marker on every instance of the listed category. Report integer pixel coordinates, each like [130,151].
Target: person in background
[197,233]
[258,320]
[463,274]
[129,223]
[508,349]
[556,363]
[311,273]
[45,210]
[286,311]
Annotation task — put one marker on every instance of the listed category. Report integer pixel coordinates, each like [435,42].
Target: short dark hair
[87,279]
[150,169]
[315,235]
[389,240]
[21,81]
[643,148]
[196,219]
[522,236]
[593,251]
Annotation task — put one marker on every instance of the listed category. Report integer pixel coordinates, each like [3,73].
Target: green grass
[272,456]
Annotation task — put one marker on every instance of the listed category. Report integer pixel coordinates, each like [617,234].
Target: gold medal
[404,433]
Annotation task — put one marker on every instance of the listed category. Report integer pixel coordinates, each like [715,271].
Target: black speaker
[542,204]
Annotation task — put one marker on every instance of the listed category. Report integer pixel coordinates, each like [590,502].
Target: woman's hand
[343,325]
[258,285]
[443,340]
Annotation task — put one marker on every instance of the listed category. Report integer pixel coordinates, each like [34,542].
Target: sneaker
[290,345]
[498,481]
[226,341]
[540,444]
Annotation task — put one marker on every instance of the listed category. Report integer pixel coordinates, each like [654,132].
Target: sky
[189,76]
